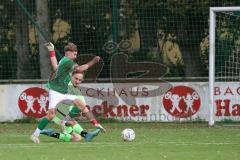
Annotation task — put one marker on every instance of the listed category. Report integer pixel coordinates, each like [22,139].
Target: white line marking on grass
[199,143]
[93,144]
[43,144]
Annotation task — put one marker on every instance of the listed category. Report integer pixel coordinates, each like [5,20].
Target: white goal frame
[212,28]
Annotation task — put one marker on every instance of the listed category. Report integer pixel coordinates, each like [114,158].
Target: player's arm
[52,54]
[88,65]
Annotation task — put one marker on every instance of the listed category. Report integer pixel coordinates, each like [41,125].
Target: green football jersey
[62,77]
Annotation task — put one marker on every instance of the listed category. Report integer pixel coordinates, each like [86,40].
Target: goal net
[224,63]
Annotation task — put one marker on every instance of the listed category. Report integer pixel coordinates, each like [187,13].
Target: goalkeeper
[73,134]
[71,129]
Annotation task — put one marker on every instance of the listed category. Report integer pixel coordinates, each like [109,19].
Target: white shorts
[55,98]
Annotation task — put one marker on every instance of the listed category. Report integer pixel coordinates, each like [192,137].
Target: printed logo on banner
[181,101]
[33,102]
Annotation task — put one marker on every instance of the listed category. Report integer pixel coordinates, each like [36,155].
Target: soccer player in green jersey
[73,131]
[58,85]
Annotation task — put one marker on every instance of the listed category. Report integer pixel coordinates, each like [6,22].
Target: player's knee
[51,114]
[85,110]
[71,123]
[75,137]
[50,117]
[79,104]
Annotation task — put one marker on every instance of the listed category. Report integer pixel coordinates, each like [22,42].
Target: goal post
[212,55]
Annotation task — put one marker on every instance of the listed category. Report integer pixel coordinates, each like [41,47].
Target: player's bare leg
[43,123]
[88,114]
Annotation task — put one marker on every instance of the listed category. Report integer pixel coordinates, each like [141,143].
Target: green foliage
[93,23]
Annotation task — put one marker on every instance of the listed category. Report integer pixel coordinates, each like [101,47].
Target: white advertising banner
[130,101]
[10,109]
[227,101]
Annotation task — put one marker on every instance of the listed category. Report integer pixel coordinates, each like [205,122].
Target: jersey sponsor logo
[181,101]
[33,102]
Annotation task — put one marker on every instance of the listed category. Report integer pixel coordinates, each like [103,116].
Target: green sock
[44,122]
[65,137]
[77,128]
[69,129]
[74,112]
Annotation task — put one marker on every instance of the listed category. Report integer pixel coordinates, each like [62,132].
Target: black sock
[55,135]
[83,133]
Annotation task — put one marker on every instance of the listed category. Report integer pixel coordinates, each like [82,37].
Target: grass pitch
[154,141]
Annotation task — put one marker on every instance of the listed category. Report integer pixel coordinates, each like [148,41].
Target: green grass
[154,141]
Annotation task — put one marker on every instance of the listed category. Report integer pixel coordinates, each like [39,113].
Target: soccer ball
[128,134]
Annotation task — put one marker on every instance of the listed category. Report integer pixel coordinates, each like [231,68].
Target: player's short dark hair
[70,47]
